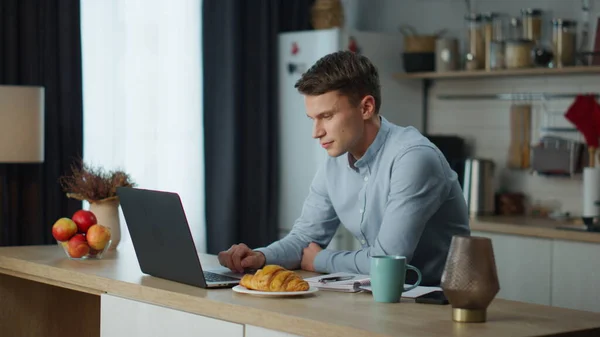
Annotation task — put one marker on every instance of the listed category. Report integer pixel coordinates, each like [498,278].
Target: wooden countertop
[534,227]
[321,314]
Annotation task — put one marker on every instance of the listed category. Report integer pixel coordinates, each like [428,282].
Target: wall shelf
[514,96]
[576,70]
[428,78]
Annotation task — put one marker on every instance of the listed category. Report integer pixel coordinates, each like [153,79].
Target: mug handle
[408,266]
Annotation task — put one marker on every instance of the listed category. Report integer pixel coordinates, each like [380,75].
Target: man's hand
[240,257]
[308,256]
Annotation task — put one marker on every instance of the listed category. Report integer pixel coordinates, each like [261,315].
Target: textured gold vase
[470,280]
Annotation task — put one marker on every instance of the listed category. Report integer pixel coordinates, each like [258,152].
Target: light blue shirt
[400,198]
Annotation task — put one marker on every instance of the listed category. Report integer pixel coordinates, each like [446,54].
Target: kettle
[478,186]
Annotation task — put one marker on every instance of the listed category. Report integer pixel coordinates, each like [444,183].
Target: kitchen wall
[429,16]
[485,123]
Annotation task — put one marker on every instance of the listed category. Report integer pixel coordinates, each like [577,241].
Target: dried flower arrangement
[93,184]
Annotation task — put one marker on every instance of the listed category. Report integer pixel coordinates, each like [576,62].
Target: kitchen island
[42,293]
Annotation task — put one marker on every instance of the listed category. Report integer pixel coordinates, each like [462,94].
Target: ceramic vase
[107,214]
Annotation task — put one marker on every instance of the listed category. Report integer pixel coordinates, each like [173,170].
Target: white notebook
[352,283]
[413,293]
[347,282]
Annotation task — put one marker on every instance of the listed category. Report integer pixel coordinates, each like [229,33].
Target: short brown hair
[352,74]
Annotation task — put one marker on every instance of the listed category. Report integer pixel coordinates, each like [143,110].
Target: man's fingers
[228,260]
[249,261]
[237,255]
[225,257]
[232,258]
[221,258]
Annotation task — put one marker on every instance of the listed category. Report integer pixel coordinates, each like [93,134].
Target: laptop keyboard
[212,277]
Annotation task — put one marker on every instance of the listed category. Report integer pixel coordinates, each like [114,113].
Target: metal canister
[446,54]
[478,186]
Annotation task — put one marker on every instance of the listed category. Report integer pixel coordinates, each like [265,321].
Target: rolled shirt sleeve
[317,223]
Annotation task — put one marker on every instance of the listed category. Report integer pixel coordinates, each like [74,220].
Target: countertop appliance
[454,149]
[478,186]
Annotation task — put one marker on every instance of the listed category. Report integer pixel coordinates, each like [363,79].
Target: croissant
[274,278]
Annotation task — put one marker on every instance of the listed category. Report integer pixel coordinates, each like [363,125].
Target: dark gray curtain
[240,116]
[40,45]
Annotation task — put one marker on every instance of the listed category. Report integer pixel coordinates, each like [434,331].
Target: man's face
[337,124]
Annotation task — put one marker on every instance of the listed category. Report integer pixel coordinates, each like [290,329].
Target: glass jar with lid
[475,48]
[494,36]
[532,24]
[497,52]
[495,25]
[515,29]
[518,54]
[564,42]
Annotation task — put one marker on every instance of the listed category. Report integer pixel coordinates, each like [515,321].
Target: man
[388,185]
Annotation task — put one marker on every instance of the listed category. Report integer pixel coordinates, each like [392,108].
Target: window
[142,93]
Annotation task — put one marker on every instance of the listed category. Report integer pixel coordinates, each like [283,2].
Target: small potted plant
[98,187]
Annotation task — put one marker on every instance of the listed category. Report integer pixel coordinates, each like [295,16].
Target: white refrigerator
[299,154]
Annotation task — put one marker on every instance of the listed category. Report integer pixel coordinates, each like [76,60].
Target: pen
[335,279]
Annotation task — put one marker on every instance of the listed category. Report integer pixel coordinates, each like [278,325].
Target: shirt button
[366,178]
[361,211]
[363,241]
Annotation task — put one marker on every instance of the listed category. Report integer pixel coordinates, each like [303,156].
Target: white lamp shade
[21,124]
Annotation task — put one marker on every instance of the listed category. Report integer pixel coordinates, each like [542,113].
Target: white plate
[244,290]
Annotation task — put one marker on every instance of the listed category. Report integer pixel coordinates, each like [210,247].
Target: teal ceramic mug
[388,273]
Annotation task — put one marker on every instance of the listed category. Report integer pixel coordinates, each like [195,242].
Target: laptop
[163,242]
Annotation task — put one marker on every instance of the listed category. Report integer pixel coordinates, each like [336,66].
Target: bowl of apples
[81,237]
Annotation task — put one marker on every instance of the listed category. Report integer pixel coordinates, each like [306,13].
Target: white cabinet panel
[524,267]
[576,276]
[256,331]
[121,317]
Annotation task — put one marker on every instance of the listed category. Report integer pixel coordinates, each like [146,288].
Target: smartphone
[434,297]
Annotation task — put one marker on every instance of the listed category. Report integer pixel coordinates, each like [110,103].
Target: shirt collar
[374,147]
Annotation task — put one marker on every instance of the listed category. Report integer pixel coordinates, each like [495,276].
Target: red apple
[63,229]
[78,246]
[98,236]
[84,220]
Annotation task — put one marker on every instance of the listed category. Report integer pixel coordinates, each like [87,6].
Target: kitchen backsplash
[485,124]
